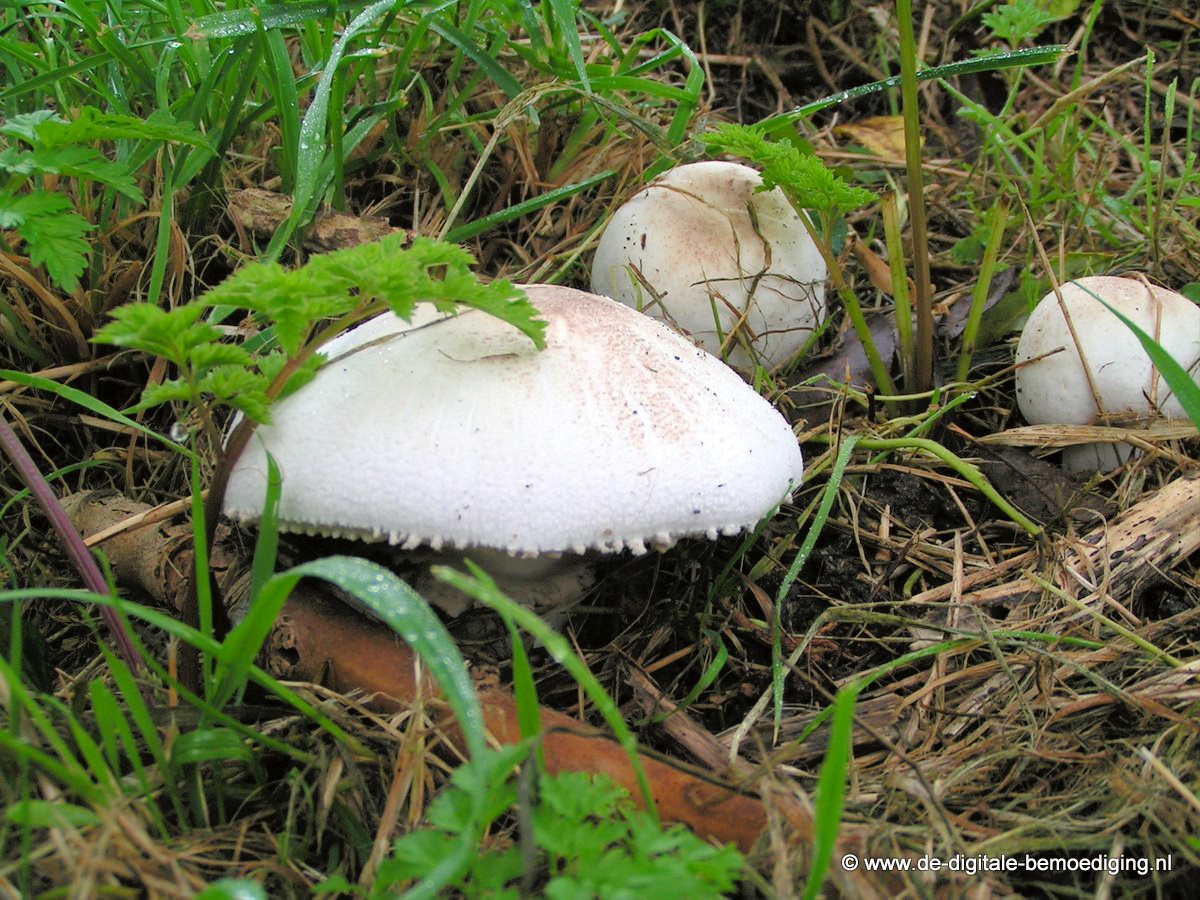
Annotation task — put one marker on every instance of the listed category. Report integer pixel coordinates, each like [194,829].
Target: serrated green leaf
[172,334]
[432,252]
[1018,21]
[25,125]
[16,161]
[55,240]
[272,365]
[243,390]
[803,177]
[210,355]
[126,324]
[16,209]
[291,327]
[172,390]
[411,855]
[252,287]
[576,796]
[87,163]
[452,811]
[224,382]
[594,841]
[387,271]
[90,125]
[505,301]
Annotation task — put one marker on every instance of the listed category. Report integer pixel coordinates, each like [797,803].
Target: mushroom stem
[550,581]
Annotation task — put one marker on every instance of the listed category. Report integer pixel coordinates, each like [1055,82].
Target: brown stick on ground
[319,639]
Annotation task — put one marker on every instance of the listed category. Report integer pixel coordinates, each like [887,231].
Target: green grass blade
[968,471]
[287,102]
[202,588]
[90,403]
[69,776]
[831,787]
[406,613]
[50,814]
[710,673]
[1031,56]
[267,546]
[138,711]
[987,269]
[117,735]
[114,731]
[402,609]
[529,719]
[247,20]
[162,245]
[104,36]
[62,763]
[483,57]
[170,625]
[518,210]
[564,21]
[207,745]
[314,127]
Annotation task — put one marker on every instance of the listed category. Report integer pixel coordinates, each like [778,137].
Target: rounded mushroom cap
[686,249]
[1055,390]
[618,434]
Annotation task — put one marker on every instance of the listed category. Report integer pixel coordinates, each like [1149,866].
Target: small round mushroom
[703,248]
[1055,389]
[461,434]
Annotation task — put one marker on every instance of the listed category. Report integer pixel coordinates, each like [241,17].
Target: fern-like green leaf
[802,176]
[227,382]
[210,355]
[90,125]
[1018,21]
[173,390]
[17,209]
[73,161]
[25,125]
[53,234]
[172,334]
[271,365]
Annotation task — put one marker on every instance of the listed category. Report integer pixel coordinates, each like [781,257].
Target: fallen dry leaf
[882,135]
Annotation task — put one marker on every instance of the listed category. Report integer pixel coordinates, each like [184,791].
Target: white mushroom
[705,249]
[1056,390]
[459,433]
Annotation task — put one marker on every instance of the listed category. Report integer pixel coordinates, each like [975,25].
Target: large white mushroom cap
[1056,391]
[460,432]
[688,250]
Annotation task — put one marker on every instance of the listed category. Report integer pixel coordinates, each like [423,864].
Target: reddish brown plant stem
[77,552]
